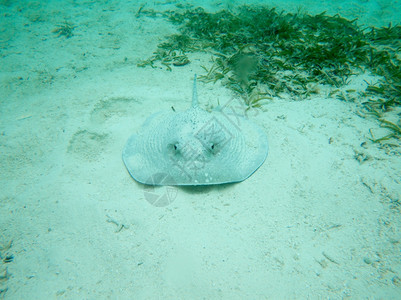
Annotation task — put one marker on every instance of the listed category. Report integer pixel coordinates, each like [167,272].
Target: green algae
[260,52]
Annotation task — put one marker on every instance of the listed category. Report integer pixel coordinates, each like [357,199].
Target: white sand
[315,221]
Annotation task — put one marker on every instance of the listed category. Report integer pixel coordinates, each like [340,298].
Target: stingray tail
[194,94]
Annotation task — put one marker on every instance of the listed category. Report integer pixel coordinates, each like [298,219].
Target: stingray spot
[136,161]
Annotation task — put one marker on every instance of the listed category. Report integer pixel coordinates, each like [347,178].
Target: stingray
[195,147]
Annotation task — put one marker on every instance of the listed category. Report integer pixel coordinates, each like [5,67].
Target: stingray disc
[195,147]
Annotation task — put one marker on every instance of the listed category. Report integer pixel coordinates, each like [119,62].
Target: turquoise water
[319,219]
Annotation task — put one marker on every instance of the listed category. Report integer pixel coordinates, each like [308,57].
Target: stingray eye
[175,147]
[213,148]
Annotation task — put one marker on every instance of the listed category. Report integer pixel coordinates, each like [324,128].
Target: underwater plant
[5,258]
[64,29]
[288,53]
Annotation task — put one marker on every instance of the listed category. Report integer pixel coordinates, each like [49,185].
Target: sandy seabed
[319,219]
